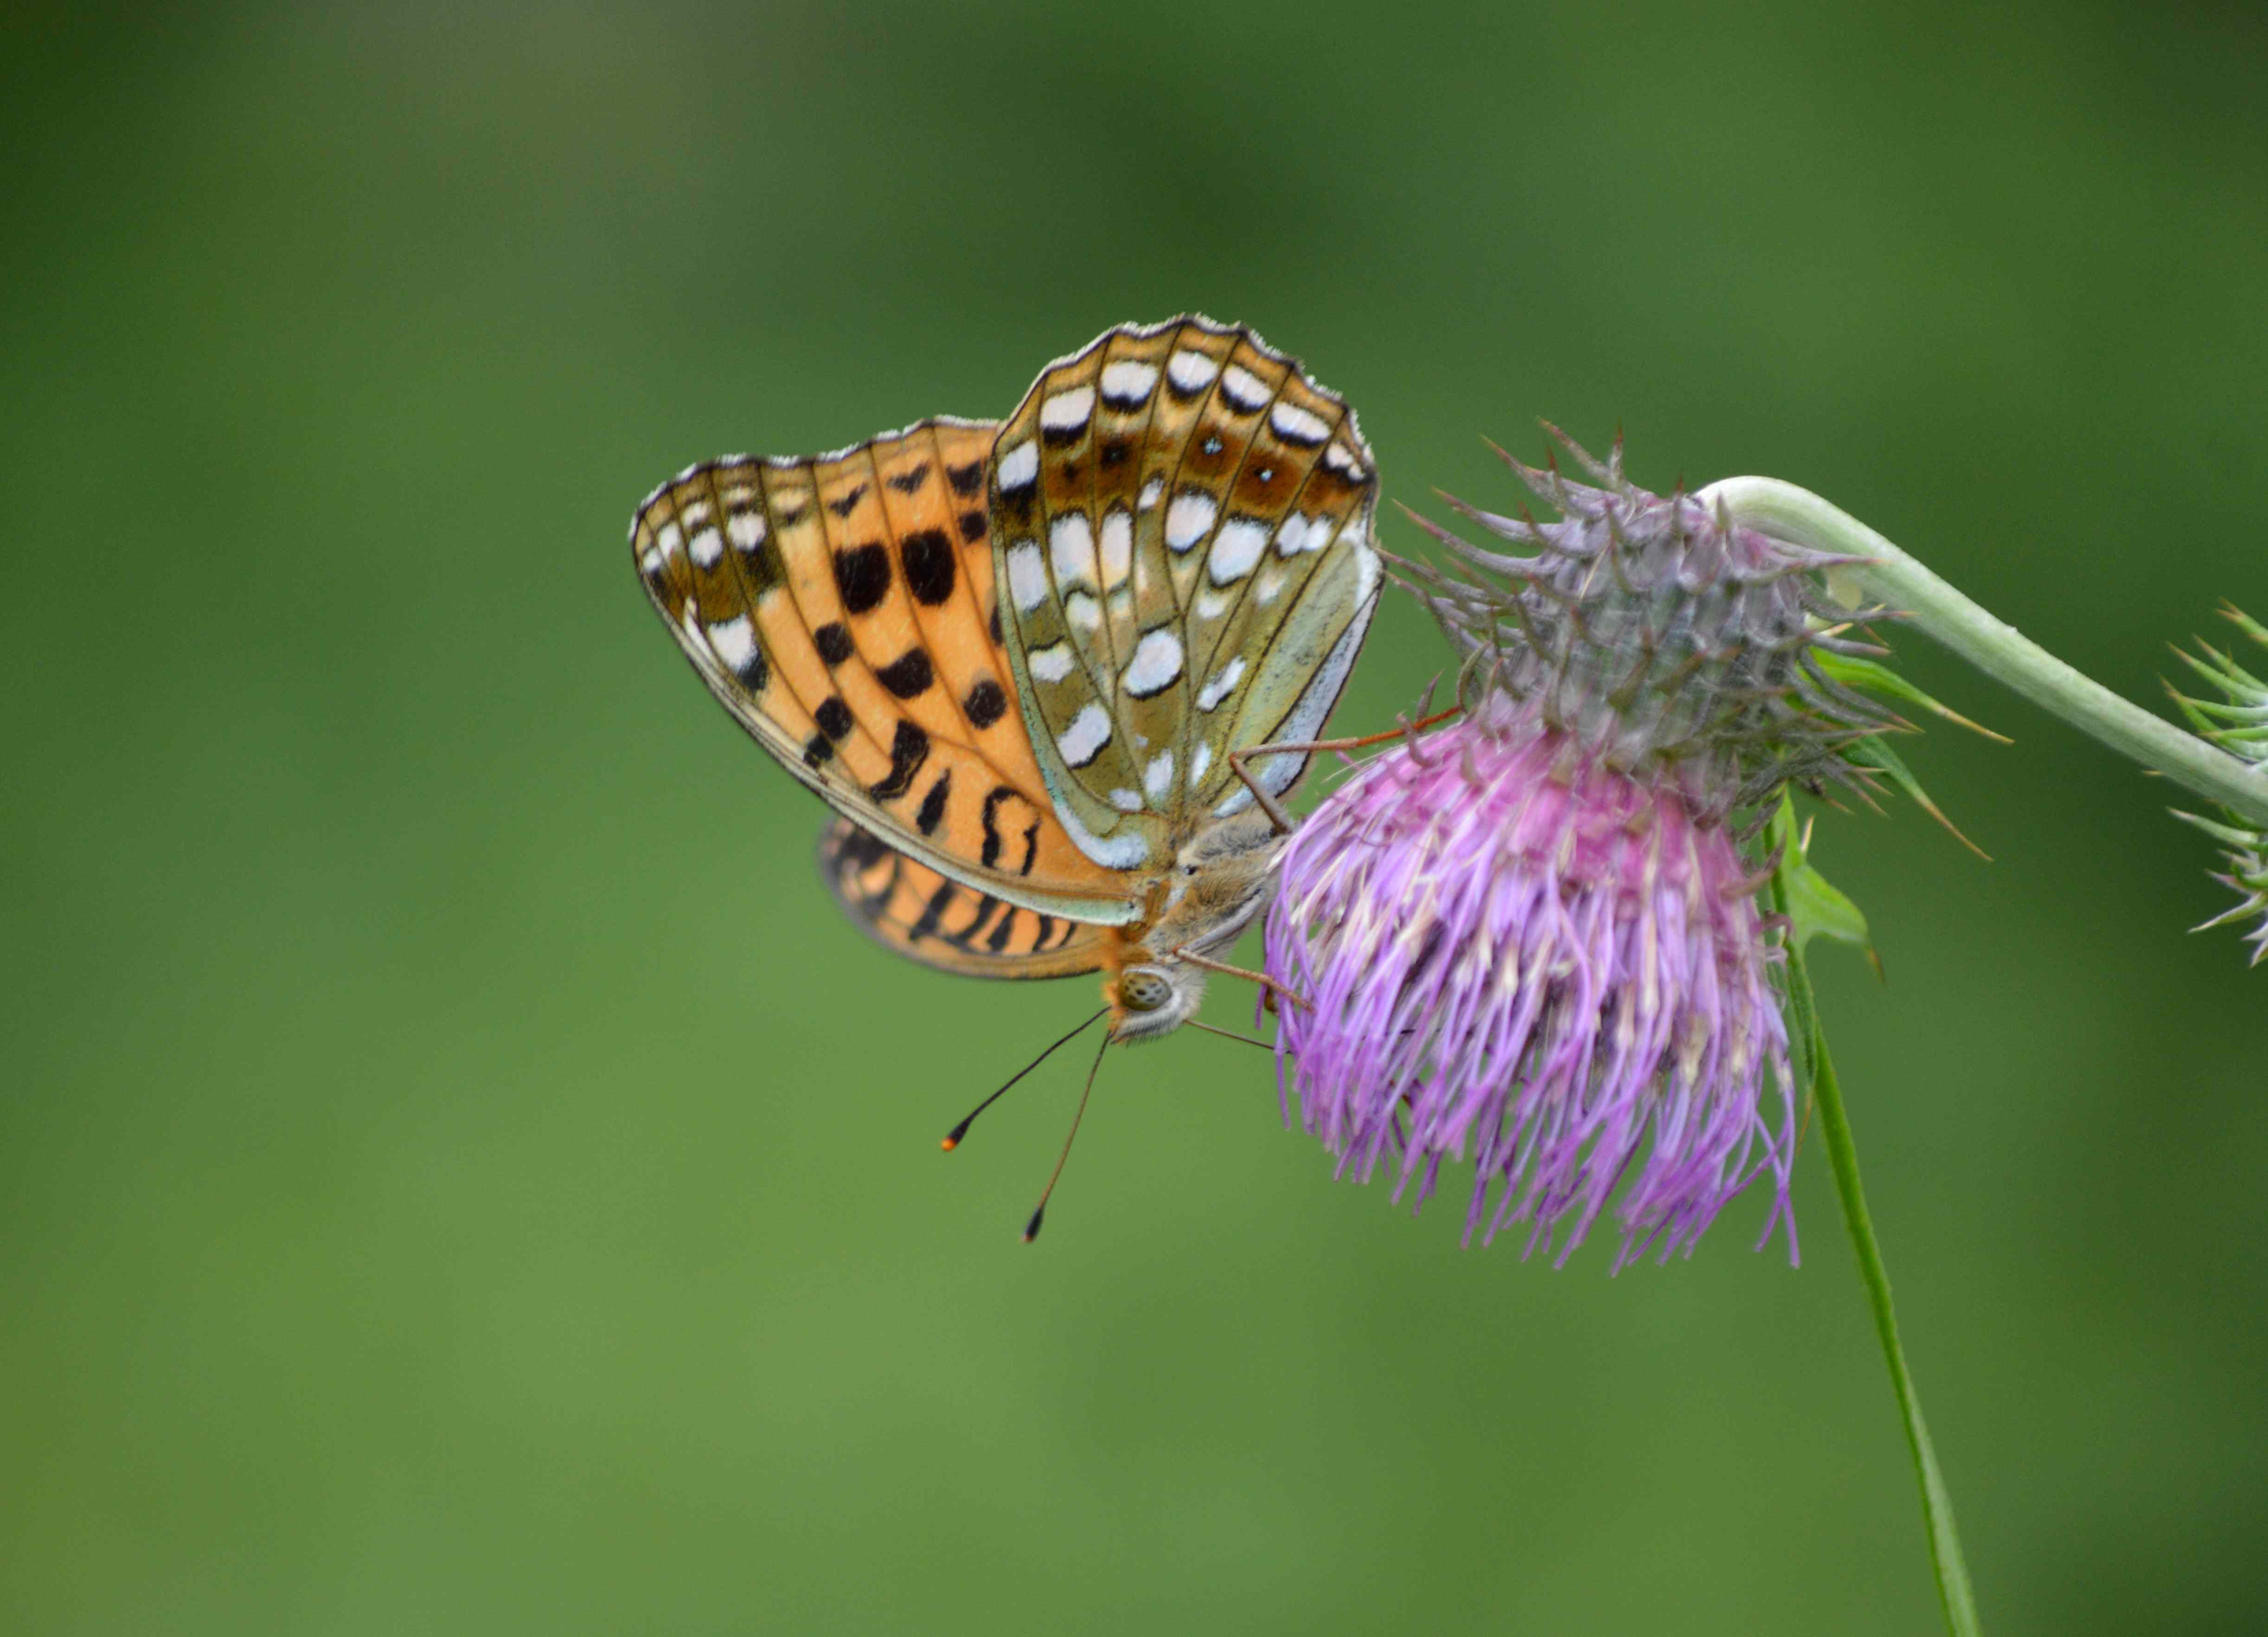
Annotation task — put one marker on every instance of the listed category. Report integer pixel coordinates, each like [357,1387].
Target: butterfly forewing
[1238,496]
[840,608]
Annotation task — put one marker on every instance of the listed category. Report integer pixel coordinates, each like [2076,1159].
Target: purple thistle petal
[1518,955]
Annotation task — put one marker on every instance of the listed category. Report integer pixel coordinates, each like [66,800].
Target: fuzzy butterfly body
[1017,657]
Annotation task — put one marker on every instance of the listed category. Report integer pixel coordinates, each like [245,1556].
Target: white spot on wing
[747,529]
[1236,549]
[1020,466]
[1126,801]
[1269,584]
[1157,661]
[1070,542]
[1089,731]
[1128,381]
[1295,425]
[706,548]
[1083,611]
[670,541]
[1151,490]
[1117,545]
[1028,576]
[734,641]
[1221,683]
[1157,777]
[649,561]
[1189,519]
[1242,388]
[1119,852]
[1301,532]
[1190,370]
[1066,412]
[1200,759]
[1051,663]
[1366,565]
[1211,604]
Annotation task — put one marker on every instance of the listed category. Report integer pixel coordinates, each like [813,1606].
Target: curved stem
[1991,645]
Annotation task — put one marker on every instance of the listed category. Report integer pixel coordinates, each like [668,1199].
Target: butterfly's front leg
[1268,803]
[1269,988]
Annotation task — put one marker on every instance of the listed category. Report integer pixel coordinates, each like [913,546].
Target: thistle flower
[1512,951]
[1531,938]
[2238,723]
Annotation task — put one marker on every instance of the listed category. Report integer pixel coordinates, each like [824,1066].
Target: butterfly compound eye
[1143,991]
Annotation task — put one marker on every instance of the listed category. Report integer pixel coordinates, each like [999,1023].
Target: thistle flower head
[1669,644]
[2238,723]
[1515,951]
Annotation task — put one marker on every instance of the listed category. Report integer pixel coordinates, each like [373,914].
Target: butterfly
[1018,656]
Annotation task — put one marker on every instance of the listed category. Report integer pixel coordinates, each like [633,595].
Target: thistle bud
[2238,723]
[1667,643]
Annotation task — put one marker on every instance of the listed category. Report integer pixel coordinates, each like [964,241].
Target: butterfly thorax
[1220,882]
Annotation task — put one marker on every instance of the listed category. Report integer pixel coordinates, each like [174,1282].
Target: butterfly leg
[1268,803]
[1269,986]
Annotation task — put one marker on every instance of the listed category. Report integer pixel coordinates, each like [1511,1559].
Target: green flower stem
[1997,649]
[1815,1067]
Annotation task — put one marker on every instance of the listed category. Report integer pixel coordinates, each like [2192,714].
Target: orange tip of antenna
[1031,1228]
[949,1144]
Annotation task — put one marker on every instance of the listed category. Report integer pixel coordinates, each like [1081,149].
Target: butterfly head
[1152,998]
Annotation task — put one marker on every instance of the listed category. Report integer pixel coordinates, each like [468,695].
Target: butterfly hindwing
[841,609]
[1182,525]
[908,907]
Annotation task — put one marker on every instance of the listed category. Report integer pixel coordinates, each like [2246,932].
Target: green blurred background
[457,1174]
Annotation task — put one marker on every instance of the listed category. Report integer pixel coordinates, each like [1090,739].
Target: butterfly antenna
[952,1137]
[1031,1228]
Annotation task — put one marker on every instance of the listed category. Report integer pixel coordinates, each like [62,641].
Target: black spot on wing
[986,907]
[833,718]
[862,575]
[909,482]
[986,704]
[928,559]
[909,750]
[833,642]
[933,912]
[933,807]
[910,675]
[972,525]
[816,749]
[998,794]
[844,505]
[1002,933]
[967,480]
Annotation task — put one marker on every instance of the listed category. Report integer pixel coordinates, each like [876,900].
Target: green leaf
[1857,671]
[1814,906]
[1875,752]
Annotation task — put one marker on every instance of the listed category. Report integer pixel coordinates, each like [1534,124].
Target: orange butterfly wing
[910,908]
[843,609]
